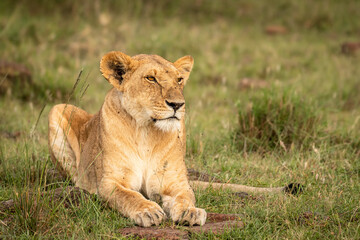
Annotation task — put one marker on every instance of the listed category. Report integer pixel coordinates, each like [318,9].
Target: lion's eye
[151,78]
[180,80]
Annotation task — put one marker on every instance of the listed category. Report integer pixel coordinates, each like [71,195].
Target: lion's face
[151,87]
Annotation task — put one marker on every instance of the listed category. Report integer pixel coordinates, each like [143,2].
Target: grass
[304,126]
[274,122]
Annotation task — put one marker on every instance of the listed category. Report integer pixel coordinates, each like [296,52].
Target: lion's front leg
[131,204]
[179,203]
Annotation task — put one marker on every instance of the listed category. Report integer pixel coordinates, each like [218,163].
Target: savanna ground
[299,121]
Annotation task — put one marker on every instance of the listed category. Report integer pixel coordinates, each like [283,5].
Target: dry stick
[4,78]
[3,223]
[37,121]
[83,93]
[75,85]
[83,87]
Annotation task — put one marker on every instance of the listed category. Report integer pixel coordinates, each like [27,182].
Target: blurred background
[273,96]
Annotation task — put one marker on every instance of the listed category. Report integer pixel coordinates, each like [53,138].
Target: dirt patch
[216,223]
[250,83]
[13,74]
[275,30]
[154,233]
[350,48]
[215,80]
[16,81]
[10,135]
[201,176]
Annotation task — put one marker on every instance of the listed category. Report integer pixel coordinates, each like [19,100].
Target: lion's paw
[190,216]
[149,216]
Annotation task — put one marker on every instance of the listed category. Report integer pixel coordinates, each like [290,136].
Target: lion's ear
[184,65]
[114,65]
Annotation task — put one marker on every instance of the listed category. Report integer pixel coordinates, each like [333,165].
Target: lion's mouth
[163,119]
[168,124]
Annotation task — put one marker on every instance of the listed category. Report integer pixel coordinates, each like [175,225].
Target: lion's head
[151,88]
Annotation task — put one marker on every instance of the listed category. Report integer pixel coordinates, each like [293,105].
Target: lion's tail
[292,188]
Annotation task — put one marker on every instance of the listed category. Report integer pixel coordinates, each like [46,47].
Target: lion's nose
[174,105]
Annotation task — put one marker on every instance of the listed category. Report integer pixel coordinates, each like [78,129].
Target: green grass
[304,126]
[278,120]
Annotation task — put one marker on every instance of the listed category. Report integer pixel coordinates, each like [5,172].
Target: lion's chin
[168,125]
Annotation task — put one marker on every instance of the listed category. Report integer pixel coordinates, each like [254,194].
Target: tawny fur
[236,187]
[131,153]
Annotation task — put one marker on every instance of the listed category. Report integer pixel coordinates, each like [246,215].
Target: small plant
[277,121]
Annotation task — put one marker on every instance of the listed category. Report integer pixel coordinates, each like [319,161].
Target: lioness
[133,149]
